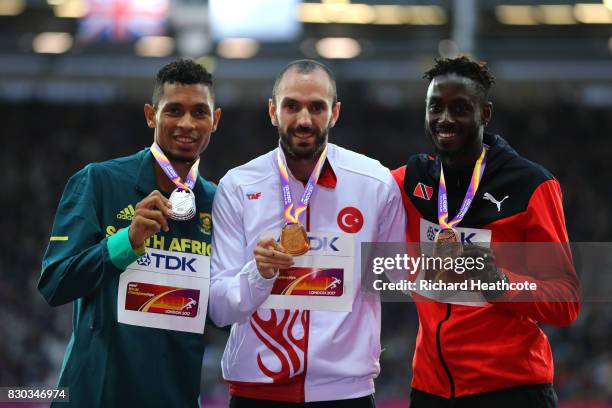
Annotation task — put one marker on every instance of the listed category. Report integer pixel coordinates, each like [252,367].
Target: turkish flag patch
[422,191]
[350,220]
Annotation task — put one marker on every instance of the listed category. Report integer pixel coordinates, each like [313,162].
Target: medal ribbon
[166,166]
[479,168]
[292,215]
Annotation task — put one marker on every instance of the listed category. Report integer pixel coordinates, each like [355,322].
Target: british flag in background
[123,20]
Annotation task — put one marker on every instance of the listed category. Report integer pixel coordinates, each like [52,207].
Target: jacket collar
[145,179]
[328,177]
[499,153]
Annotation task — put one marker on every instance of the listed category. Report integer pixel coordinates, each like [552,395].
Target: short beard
[320,140]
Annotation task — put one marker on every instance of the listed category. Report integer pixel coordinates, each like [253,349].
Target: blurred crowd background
[62,108]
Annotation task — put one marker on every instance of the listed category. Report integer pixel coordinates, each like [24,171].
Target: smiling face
[183,121]
[456,114]
[303,111]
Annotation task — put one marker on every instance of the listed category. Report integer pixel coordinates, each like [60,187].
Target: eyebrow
[179,104]
[461,99]
[455,99]
[288,99]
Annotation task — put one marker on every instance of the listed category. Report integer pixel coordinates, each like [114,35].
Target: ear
[272,112]
[149,112]
[335,114]
[216,117]
[487,113]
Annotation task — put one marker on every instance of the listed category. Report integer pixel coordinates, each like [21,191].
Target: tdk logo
[173,263]
[431,233]
[323,244]
[144,260]
[467,238]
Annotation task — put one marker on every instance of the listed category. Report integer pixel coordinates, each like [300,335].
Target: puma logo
[492,199]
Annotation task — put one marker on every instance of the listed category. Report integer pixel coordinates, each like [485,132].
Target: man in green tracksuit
[130,248]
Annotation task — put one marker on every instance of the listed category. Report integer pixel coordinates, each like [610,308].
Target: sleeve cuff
[508,295]
[120,249]
[258,281]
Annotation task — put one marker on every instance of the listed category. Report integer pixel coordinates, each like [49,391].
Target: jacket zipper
[439,346]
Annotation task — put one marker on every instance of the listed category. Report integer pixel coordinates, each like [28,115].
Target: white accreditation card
[165,290]
[469,236]
[321,279]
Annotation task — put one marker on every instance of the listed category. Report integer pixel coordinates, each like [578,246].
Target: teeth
[447,134]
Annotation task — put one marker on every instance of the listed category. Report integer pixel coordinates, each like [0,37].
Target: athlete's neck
[299,167]
[462,161]
[163,181]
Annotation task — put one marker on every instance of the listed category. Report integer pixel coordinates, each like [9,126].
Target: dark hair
[465,67]
[181,71]
[305,66]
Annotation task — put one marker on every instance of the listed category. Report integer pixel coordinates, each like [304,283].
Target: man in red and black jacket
[493,353]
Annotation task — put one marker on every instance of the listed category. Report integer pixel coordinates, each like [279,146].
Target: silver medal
[183,205]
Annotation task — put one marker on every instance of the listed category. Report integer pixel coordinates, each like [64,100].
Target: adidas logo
[126,214]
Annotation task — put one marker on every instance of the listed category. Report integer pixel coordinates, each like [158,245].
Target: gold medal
[447,244]
[294,239]
[293,235]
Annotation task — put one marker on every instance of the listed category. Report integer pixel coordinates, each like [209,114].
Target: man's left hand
[490,273]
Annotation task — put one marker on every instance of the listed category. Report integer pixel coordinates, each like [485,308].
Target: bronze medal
[447,244]
[294,239]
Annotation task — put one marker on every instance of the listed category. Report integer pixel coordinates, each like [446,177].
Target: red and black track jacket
[463,350]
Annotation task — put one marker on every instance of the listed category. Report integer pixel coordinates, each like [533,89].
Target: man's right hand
[151,216]
[270,256]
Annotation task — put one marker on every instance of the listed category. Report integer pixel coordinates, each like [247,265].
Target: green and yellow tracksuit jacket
[107,363]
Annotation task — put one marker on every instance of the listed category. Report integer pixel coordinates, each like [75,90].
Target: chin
[301,149]
[448,146]
[303,154]
[184,156]
[299,144]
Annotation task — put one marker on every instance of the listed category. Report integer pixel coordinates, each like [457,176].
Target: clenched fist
[151,216]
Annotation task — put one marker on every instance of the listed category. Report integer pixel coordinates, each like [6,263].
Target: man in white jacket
[304,333]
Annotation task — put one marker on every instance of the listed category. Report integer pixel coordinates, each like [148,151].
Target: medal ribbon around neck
[479,168]
[292,215]
[166,166]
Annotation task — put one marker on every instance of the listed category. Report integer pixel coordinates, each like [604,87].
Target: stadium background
[74,75]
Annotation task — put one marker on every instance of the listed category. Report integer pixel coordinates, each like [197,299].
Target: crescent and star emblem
[350,220]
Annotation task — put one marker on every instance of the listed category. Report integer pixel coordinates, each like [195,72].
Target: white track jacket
[299,355]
